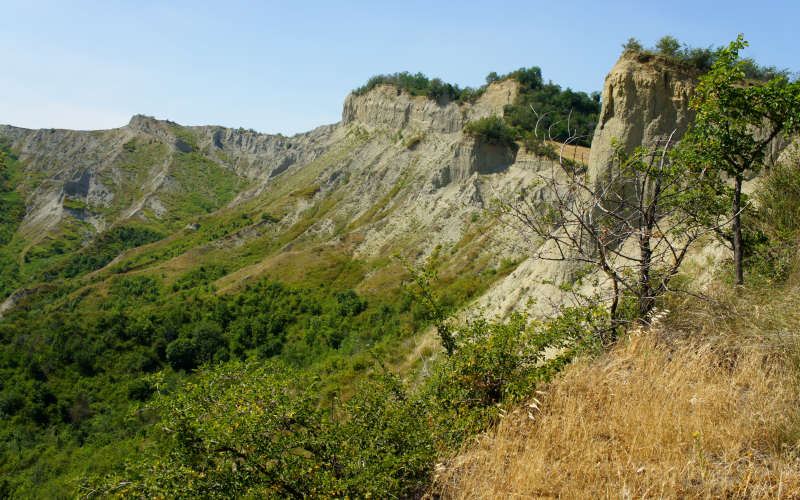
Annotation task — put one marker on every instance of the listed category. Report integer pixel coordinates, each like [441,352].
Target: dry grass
[706,412]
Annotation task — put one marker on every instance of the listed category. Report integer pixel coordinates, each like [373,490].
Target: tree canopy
[737,120]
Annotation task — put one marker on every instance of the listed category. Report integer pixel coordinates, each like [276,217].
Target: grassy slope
[705,404]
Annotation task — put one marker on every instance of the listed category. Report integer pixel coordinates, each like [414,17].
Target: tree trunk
[737,232]
[645,298]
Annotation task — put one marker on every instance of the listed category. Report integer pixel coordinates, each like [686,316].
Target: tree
[736,122]
[669,46]
[634,223]
[633,44]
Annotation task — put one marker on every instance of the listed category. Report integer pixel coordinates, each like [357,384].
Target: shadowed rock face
[644,98]
[475,156]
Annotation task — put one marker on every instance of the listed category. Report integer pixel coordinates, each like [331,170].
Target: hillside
[182,305]
[124,228]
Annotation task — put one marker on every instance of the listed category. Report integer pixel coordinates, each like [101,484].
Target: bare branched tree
[634,222]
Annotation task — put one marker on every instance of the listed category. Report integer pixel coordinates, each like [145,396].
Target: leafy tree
[633,44]
[493,130]
[668,46]
[736,121]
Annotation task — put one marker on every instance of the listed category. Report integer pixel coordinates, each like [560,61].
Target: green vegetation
[187,142]
[101,251]
[420,85]
[556,114]
[75,361]
[541,111]
[734,127]
[204,186]
[564,114]
[12,210]
[492,130]
[702,58]
[228,431]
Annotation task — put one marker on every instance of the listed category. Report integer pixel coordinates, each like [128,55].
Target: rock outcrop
[394,108]
[645,98]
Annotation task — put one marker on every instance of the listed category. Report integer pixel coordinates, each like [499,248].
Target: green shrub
[258,429]
[701,58]
[771,245]
[493,130]
[420,85]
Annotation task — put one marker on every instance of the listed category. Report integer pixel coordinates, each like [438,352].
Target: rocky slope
[396,175]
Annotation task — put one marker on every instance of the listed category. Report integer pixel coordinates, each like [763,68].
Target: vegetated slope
[131,234]
[288,258]
[704,404]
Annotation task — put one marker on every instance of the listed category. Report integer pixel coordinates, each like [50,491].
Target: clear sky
[287,66]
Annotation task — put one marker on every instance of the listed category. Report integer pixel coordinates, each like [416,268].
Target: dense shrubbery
[701,58]
[420,85]
[541,111]
[564,114]
[548,99]
[774,227]
[101,251]
[259,430]
[493,130]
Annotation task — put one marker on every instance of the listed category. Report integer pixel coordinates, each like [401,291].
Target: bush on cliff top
[701,58]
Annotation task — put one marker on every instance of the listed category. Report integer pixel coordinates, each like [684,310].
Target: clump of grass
[307,192]
[414,141]
[711,411]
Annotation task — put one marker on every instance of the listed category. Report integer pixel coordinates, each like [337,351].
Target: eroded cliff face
[138,171]
[394,108]
[396,175]
[645,99]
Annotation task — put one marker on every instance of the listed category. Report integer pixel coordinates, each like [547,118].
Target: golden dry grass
[705,412]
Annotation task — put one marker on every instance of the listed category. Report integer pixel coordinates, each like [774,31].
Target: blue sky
[287,67]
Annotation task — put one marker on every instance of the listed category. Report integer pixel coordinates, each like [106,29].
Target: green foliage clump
[545,110]
[419,85]
[735,124]
[492,130]
[701,58]
[102,250]
[256,430]
[770,252]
